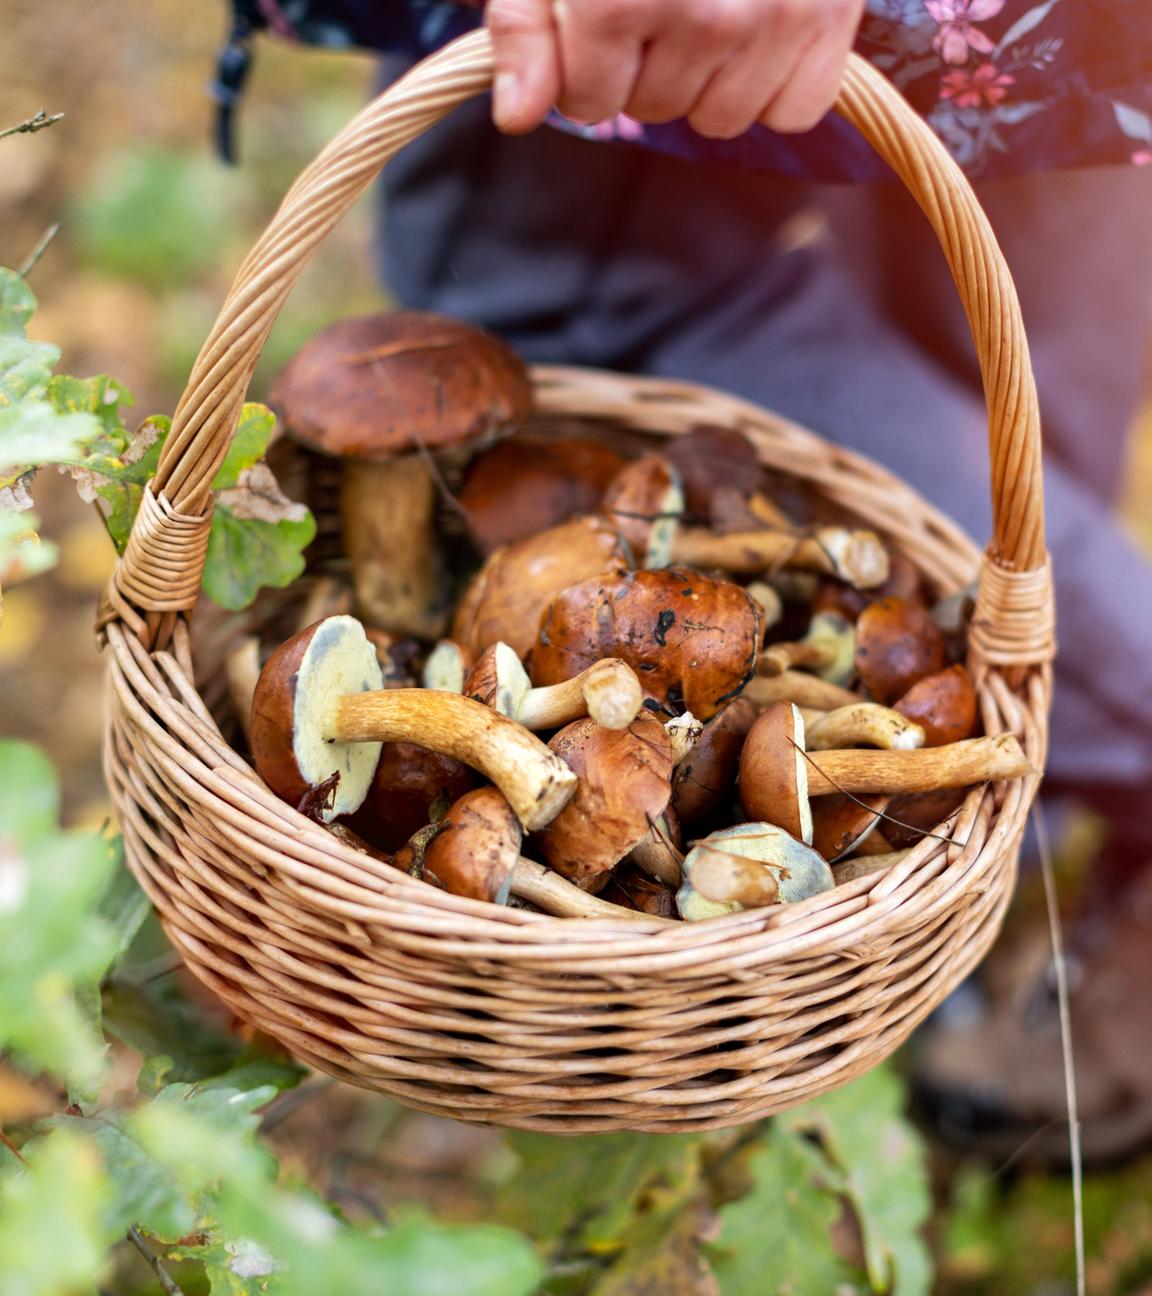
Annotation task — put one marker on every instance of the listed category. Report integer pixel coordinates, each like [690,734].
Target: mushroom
[911,816]
[897,644]
[769,599]
[395,657]
[658,853]
[747,866]
[711,459]
[508,595]
[903,582]
[958,765]
[474,851]
[692,640]
[684,732]
[944,705]
[644,503]
[319,718]
[383,391]
[447,667]
[773,776]
[858,557]
[841,823]
[706,778]
[796,686]
[522,486]
[863,724]
[411,787]
[625,784]
[828,650]
[608,691]
[631,889]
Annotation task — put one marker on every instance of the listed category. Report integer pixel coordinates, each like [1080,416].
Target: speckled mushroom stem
[961,764]
[857,557]
[555,895]
[608,691]
[861,724]
[536,782]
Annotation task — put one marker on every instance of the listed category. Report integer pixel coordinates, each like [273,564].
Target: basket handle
[159,574]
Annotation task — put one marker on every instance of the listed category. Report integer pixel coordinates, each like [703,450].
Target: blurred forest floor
[151,230]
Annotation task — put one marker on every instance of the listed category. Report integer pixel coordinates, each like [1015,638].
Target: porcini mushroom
[897,644]
[858,557]
[412,785]
[319,717]
[863,724]
[625,784]
[608,691]
[828,650]
[797,686]
[507,596]
[706,778]
[691,639]
[522,486]
[944,705]
[711,459]
[645,502]
[841,823]
[381,391]
[774,773]
[747,866]
[447,667]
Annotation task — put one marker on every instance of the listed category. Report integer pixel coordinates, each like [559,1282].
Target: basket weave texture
[486,1013]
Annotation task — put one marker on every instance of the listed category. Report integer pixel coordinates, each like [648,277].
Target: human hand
[722,64]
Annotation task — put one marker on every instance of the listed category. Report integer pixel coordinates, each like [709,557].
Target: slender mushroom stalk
[828,649]
[553,894]
[797,686]
[387,392]
[447,667]
[748,866]
[608,691]
[857,557]
[863,724]
[929,769]
[774,778]
[645,502]
[319,718]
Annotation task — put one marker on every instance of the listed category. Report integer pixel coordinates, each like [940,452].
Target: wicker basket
[501,1015]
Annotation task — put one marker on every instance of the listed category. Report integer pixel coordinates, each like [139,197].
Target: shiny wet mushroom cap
[774,771]
[897,644]
[645,502]
[944,705]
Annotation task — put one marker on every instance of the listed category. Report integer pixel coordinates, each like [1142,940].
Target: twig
[286,1104]
[39,250]
[1065,1044]
[36,122]
[137,1239]
[12,1148]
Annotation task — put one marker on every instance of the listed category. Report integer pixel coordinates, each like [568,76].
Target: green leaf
[99,395]
[662,1254]
[52,1220]
[776,1240]
[589,1185]
[249,442]
[25,369]
[33,434]
[245,554]
[17,304]
[29,792]
[862,1127]
[23,554]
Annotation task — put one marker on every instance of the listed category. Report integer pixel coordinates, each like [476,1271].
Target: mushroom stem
[556,895]
[608,691]
[962,764]
[795,686]
[863,724]
[857,557]
[536,782]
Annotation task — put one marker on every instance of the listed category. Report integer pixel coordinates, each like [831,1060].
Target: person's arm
[722,64]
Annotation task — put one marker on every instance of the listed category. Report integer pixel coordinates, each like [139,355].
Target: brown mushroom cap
[692,640]
[410,784]
[644,502]
[706,778]
[625,784]
[840,823]
[508,595]
[475,848]
[897,644]
[295,693]
[634,890]
[943,705]
[382,385]
[710,459]
[774,772]
[522,486]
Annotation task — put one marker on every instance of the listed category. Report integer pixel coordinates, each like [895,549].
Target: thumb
[524,43]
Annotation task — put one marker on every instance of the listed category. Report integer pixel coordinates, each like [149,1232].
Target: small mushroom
[684,732]
[625,784]
[863,724]
[748,866]
[858,557]
[841,823]
[319,718]
[447,667]
[706,778]
[630,888]
[507,596]
[897,644]
[944,705]
[645,503]
[692,640]
[608,691]
[828,650]
[903,582]
[382,391]
[774,772]
[522,486]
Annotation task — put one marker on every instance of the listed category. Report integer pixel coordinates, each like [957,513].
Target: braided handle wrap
[1014,620]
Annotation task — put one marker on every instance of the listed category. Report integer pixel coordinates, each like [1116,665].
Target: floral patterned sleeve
[1008,85]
